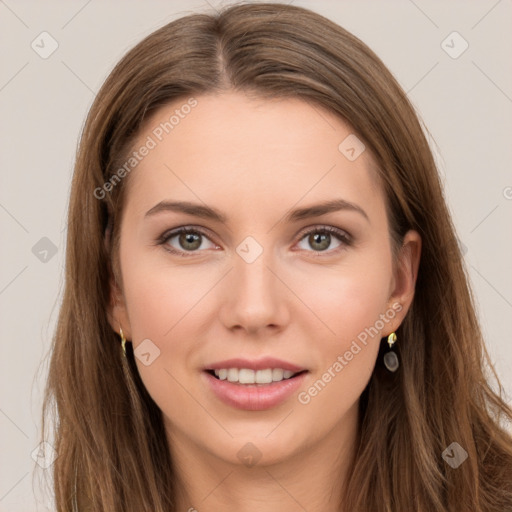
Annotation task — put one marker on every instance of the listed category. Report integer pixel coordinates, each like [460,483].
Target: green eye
[320,238]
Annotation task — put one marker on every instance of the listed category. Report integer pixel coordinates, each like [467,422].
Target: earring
[390,357]
[123,340]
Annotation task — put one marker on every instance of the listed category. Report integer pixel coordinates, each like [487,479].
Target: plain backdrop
[464,98]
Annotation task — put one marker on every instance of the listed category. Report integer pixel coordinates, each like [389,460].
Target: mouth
[253,390]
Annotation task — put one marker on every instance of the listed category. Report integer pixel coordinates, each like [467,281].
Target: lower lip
[254,397]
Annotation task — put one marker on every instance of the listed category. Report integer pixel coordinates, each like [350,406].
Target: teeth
[277,374]
[233,375]
[247,376]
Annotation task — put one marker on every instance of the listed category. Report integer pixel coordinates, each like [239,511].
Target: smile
[253,395]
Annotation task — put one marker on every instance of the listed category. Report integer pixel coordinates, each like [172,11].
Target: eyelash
[342,236]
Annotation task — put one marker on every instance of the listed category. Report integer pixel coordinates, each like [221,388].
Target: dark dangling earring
[390,357]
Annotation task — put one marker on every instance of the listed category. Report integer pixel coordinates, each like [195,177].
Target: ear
[117,313]
[404,277]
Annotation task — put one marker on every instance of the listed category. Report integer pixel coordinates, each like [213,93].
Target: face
[264,273]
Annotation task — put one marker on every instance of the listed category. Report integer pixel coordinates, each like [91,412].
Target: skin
[254,160]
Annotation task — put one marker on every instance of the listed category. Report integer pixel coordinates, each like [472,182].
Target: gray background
[465,103]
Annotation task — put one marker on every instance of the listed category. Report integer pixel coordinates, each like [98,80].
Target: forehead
[251,152]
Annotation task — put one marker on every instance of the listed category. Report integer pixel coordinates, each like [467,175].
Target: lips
[253,397]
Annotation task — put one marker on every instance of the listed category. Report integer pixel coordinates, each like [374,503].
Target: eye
[187,239]
[321,237]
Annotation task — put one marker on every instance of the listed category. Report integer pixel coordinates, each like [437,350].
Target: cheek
[348,298]
[161,296]
[169,305]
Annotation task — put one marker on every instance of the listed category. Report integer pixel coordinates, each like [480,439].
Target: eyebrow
[206,212]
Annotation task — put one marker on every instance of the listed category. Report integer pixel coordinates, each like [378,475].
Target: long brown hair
[109,434]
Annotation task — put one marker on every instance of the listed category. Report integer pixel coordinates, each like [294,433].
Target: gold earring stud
[391,339]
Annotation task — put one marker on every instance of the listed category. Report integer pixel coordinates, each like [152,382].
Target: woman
[265,303]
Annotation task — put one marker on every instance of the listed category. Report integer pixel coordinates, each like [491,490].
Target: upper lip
[255,364]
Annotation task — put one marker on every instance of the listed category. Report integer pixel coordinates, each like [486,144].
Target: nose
[255,297]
